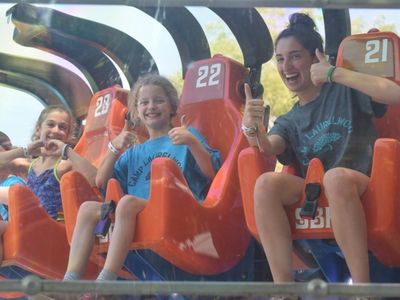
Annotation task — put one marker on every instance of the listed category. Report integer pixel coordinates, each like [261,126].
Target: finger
[126,125]
[43,136]
[247,92]
[183,121]
[321,56]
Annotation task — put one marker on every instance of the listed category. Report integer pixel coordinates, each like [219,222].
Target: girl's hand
[35,148]
[53,147]
[253,111]
[181,135]
[125,139]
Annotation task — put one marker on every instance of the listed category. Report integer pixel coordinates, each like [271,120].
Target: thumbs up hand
[253,111]
[181,135]
[126,137]
[319,70]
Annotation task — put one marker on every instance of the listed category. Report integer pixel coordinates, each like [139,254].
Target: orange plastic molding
[211,237]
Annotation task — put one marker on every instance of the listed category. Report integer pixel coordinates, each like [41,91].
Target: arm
[182,136]
[33,149]
[105,171]
[202,156]
[81,165]
[71,160]
[256,135]
[4,194]
[122,141]
[380,89]
[7,156]
[268,144]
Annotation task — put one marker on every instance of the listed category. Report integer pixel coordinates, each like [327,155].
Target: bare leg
[83,237]
[124,230]
[272,192]
[343,188]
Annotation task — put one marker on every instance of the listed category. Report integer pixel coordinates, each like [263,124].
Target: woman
[332,120]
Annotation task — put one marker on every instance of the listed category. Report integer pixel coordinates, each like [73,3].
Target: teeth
[288,76]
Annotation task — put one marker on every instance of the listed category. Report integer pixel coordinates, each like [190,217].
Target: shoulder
[62,167]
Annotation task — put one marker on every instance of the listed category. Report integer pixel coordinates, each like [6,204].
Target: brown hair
[158,80]
[5,140]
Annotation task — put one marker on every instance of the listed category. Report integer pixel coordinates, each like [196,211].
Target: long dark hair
[303,28]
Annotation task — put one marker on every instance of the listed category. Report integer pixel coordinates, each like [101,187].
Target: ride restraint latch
[102,227]
[309,209]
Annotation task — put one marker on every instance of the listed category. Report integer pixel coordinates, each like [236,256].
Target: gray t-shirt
[337,127]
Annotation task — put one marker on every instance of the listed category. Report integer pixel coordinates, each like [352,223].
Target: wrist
[249,131]
[64,151]
[329,74]
[112,148]
[25,151]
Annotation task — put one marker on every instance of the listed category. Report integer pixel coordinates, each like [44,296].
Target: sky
[160,44]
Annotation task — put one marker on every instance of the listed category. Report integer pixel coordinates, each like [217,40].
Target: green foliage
[177,81]
[358,25]
[223,42]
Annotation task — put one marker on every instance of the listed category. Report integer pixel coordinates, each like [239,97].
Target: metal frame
[236,3]
[316,288]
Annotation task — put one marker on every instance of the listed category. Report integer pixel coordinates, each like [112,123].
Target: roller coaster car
[211,237]
[374,53]
[34,241]
[105,119]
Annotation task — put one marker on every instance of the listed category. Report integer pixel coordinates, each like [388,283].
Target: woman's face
[154,107]
[294,63]
[55,126]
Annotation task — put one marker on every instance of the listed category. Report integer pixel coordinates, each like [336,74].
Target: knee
[337,182]
[128,207]
[89,211]
[266,187]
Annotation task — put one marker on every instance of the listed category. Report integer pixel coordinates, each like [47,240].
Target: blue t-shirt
[132,169]
[9,181]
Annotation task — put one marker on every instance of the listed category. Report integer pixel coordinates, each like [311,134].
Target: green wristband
[329,74]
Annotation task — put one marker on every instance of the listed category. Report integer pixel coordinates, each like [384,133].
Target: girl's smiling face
[55,126]
[154,108]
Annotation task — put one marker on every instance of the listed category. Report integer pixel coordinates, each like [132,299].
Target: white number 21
[379,47]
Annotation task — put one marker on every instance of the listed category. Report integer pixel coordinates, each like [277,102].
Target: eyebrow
[290,53]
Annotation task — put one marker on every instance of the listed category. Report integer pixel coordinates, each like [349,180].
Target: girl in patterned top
[53,157]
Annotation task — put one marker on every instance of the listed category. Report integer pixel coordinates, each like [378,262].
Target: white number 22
[208,75]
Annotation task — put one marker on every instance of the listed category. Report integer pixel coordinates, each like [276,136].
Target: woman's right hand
[254,110]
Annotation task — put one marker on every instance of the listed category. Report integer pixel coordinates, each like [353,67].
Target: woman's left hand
[320,69]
